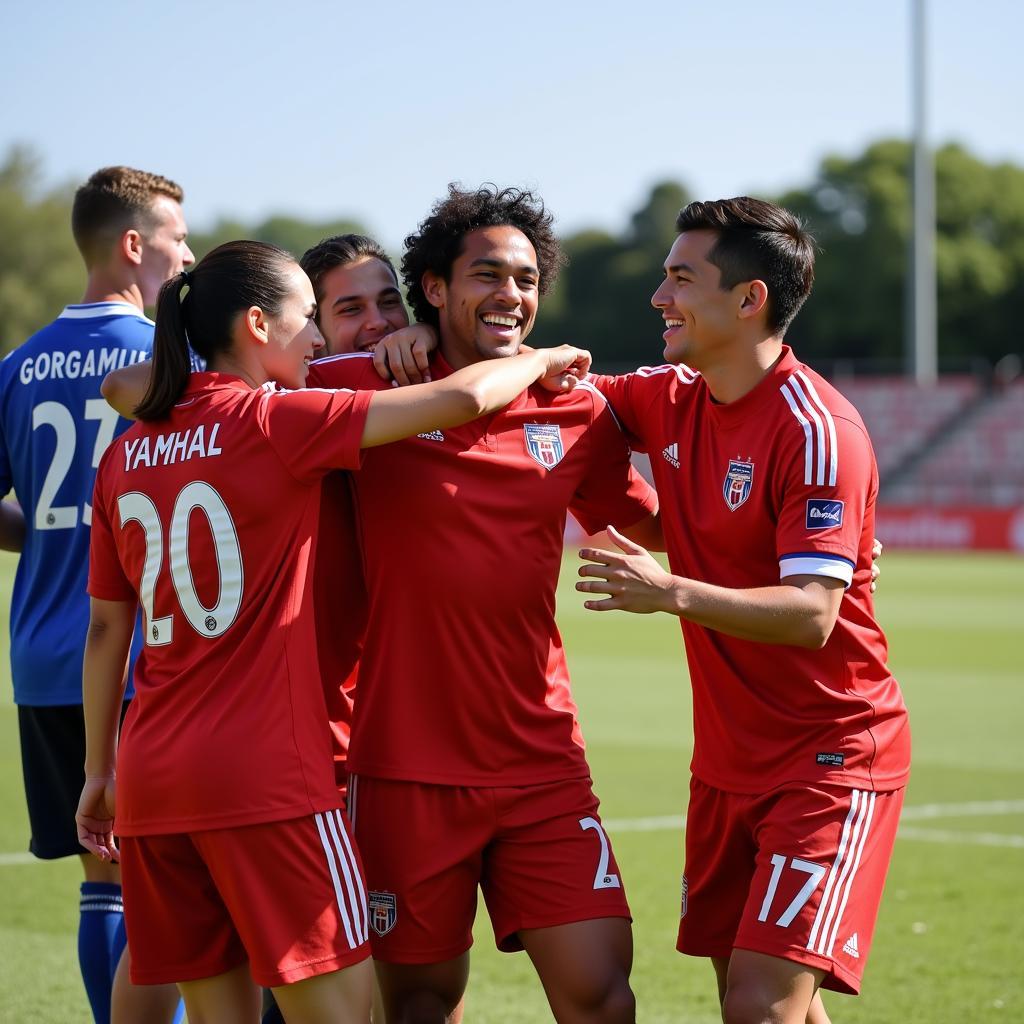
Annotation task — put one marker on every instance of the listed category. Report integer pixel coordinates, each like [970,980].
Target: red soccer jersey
[463,679]
[781,482]
[211,517]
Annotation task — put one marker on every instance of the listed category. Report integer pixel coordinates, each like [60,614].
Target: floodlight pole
[922,354]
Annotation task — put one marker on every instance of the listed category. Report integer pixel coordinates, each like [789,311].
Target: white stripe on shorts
[841,874]
[333,855]
[353,879]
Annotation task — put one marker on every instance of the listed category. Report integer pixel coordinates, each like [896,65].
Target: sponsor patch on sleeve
[824,514]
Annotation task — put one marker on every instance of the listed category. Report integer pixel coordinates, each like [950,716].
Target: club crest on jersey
[823,514]
[738,479]
[544,443]
[383,911]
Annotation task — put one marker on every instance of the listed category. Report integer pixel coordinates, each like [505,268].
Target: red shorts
[538,852]
[795,873]
[288,896]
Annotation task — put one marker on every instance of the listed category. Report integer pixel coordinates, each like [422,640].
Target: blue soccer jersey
[54,426]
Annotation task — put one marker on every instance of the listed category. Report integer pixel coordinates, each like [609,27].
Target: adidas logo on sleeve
[671,454]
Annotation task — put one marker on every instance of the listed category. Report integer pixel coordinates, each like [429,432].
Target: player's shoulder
[809,397]
[348,370]
[102,320]
[673,383]
[820,426]
[666,374]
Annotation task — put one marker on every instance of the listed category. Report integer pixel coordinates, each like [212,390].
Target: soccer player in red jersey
[234,849]
[467,759]
[767,482]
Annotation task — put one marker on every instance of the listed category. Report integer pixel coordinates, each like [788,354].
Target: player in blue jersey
[54,426]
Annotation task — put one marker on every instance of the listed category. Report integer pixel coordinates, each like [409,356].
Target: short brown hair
[113,200]
[757,240]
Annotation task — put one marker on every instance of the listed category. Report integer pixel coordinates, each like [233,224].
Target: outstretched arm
[801,611]
[468,393]
[104,674]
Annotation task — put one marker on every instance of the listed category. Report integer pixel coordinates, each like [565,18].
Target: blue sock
[101,915]
[119,941]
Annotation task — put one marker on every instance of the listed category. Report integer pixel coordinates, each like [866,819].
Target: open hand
[632,578]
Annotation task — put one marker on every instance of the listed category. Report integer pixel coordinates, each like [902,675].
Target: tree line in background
[858,209]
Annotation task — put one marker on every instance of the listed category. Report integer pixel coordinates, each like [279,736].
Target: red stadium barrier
[951,527]
[945,528]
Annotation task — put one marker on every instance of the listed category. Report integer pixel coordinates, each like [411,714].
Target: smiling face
[360,304]
[487,307]
[700,316]
[293,338]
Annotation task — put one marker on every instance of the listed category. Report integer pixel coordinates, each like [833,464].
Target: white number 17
[815,873]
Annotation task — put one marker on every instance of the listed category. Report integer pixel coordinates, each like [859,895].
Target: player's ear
[753,298]
[435,288]
[130,246]
[255,326]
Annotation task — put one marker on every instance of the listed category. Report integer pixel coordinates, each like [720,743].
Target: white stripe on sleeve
[819,426]
[802,420]
[830,424]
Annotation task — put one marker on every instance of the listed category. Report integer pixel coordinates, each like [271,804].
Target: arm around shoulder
[124,389]
[467,394]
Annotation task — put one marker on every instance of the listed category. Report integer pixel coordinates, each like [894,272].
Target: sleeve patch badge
[824,514]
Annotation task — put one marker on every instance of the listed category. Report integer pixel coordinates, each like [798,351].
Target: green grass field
[952,924]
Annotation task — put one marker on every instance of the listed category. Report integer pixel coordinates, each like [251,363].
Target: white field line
[920,812]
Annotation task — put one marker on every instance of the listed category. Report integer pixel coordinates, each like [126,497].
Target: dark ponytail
[232,278]
[171,362]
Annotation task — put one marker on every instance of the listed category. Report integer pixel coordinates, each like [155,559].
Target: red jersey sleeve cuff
[111,592]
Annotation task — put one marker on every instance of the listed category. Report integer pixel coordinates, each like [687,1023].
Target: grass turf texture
[950,932]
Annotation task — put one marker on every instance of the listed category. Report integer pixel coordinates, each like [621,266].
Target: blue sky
[369,109]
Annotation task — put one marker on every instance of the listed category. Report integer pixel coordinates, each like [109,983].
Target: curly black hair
[438,242]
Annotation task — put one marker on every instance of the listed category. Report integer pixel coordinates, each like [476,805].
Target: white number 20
[602,878]
[814,872]
[209,622]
